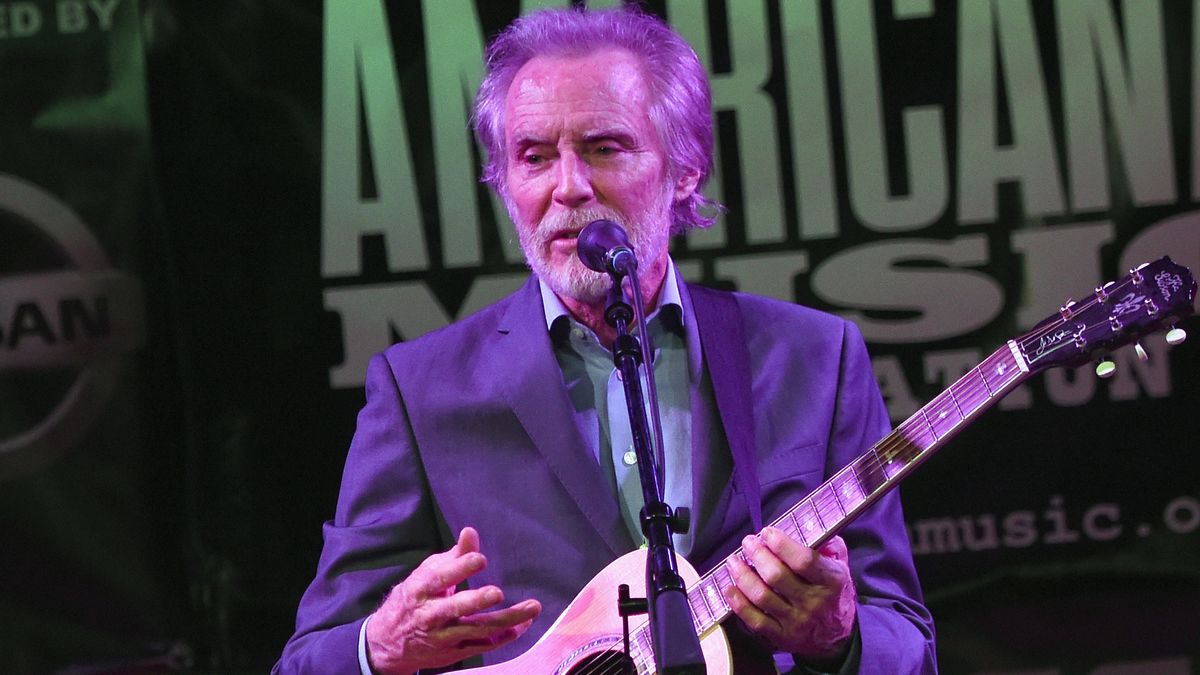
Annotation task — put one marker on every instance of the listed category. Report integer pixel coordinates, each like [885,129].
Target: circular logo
[80,319]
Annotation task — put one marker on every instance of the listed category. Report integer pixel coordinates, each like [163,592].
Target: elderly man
[489,477]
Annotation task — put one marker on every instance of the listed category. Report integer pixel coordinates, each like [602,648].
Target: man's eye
[533,159]
[606,150]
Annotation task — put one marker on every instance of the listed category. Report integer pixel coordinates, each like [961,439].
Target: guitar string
[594,667]
[899,444]
[608,663]
[895,445]
[902,443]
[915,435]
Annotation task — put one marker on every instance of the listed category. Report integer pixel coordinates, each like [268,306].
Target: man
[491,453]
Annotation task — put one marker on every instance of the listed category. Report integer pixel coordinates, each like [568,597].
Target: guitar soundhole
[604,663]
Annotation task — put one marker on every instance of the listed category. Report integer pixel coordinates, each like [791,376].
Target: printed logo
[63,330]
[1168,284]
[1049,340]
[1128,304]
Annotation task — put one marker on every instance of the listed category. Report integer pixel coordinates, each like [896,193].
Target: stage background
[212,214]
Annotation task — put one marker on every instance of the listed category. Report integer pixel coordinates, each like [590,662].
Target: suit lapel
[727,361]
[533,386]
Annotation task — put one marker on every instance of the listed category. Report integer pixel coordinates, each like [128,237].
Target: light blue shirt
[598,396]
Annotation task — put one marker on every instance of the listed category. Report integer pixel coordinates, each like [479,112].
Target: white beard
[650,236]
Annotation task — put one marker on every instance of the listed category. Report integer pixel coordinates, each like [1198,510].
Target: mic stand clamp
[672,626]
[628,606]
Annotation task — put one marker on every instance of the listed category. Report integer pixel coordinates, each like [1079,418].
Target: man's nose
[574,187]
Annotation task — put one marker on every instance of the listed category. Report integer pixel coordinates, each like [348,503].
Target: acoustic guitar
[587,638]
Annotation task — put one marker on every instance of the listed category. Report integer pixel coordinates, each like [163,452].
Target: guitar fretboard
[837,501]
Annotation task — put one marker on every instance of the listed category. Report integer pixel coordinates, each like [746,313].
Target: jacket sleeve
[895,632]
[385,525]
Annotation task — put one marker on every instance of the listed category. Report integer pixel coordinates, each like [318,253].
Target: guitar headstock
[1153,296]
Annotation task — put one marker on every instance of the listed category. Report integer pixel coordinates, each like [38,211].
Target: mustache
[552,225]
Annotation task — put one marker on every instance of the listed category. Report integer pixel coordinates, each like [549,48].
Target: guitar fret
[986,385]
[698,612]
[954,400]
[785,524]
[968,391]
[724,579]
[848,490]
[1002,368]
[714,596]
[837,498]
[827,511]
[702,590]
[945,414]
[635,652]
[932,430]
[916,436]
[642,640]
[871,474]
[810,526]
[796,526]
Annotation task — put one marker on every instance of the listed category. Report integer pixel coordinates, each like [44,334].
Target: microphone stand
[672,627]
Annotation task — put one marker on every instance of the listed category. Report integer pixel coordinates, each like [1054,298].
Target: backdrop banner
[946,174]
[83,571]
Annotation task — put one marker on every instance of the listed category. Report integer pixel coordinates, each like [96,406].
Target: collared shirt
[598,396]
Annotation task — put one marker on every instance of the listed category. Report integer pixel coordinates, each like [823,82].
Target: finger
[744,609]
[829,567]
[497,639]
[802,560]
[835,557]
[468,541]
[835,549]
[774,571]
[501,619]
[492,628]
[467,544]
[817,568]
[794,554]
[750,583]
[455,606]
[443,571]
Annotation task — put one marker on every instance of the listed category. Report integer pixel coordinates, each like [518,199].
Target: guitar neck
[839,500]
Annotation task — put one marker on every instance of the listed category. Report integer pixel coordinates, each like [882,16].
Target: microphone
[603,246]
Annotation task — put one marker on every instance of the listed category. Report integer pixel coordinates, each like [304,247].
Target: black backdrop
[244,200]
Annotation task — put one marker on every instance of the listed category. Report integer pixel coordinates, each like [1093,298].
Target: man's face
[580,147]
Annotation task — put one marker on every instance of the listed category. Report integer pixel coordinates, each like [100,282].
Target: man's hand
[799,600]
[425,623]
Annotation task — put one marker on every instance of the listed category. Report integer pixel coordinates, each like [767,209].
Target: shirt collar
[668,297]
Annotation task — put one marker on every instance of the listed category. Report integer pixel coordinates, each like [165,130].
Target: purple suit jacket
[471,425]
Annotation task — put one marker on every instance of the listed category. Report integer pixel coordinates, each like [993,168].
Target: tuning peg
[1176,336]
[1140,351]
[1106,369]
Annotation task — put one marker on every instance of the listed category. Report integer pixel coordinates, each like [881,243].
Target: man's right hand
[425,623]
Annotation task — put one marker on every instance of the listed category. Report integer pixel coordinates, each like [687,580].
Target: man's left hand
[799,600]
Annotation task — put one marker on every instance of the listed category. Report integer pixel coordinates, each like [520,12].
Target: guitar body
[586,637]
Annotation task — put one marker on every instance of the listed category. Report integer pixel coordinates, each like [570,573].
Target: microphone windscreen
[597,239]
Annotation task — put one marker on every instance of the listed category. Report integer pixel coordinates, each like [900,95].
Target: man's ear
[686,185]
